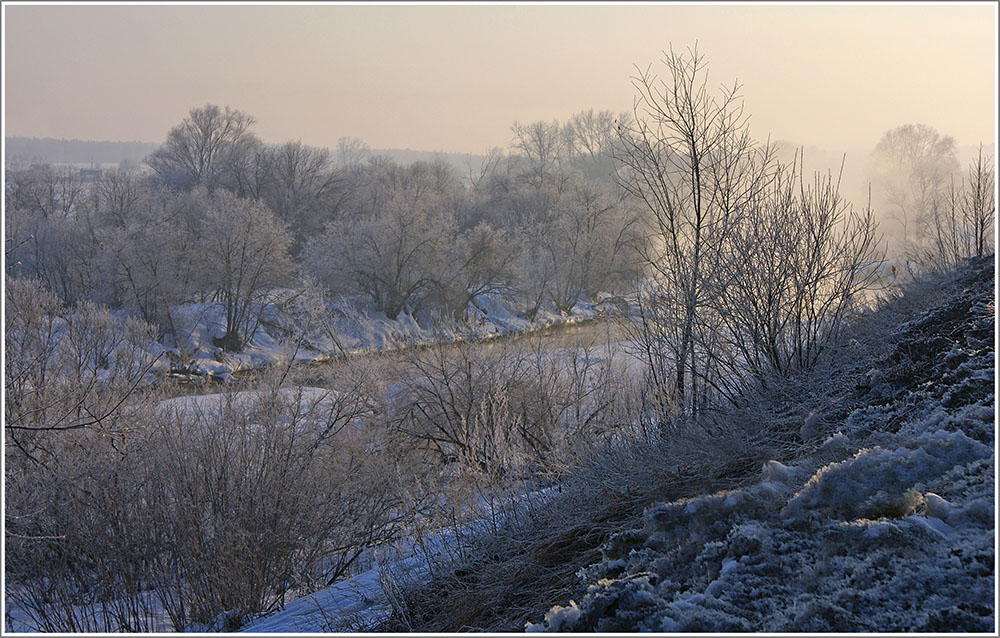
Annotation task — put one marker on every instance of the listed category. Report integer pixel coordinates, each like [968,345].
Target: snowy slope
[887,526]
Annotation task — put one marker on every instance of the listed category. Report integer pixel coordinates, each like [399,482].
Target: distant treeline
[23,151]
[47,150]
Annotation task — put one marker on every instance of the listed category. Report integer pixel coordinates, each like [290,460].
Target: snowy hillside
[887,525]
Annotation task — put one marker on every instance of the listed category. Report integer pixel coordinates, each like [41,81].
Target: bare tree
[960,220]
[245,249]
[149,258]
[66,369]
[912,168]
[689,159]
[797,264]
[248,172]
[120,194]
[301,178]
[47,190]
[979,205]
[59,250]
[352,152]
[542,146]
[481,261]
[587,244]
[395,244]
[196,149]
[591,134]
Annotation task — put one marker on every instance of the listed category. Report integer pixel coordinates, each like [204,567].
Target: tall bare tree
[979,206]
[796,265]
[912,167]
[689,159]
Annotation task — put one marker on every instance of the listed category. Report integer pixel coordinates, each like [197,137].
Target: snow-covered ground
[353,604]
[360,603]
[309,401]
[887,526]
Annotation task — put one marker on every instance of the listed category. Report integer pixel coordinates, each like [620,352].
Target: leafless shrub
[747,274]
[689,160]
[65,369]
[960,219]
[206,506]
[796,267]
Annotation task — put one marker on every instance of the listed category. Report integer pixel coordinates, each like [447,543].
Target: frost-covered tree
[302,181]
[795,266]
[244,249]
[149,258]
[67,368]
[198,150]
[588,244]
[480,261]
[46,191]
[119,195]
[590,137]
[59,250]
[979,205]
[912,168]
[395,244]
[957,220]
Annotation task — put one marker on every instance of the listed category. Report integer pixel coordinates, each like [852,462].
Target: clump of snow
[775,472]
[938,507]
[555,618]
[879,482]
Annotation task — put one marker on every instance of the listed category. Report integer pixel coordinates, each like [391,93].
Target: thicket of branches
[752,270]
[942,214]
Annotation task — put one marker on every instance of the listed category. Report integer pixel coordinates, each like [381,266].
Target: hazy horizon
[454,78]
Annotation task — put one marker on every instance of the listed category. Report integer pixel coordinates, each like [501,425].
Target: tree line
[223,216]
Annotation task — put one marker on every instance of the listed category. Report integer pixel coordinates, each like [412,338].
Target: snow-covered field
[886,526]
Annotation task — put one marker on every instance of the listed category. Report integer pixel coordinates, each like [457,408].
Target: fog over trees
[731,273]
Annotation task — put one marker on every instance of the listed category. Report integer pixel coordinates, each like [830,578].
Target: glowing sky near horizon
[454,78]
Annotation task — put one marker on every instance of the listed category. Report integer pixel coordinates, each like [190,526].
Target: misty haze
[437,318]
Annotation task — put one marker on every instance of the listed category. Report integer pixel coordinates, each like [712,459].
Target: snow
[359,603]
[888,525]
[196,406]
[100,617]
[347,329]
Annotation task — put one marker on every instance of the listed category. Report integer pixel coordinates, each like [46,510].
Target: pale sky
[454,78]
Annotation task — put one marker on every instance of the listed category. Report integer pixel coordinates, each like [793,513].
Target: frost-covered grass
[855,498]
[887,526]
